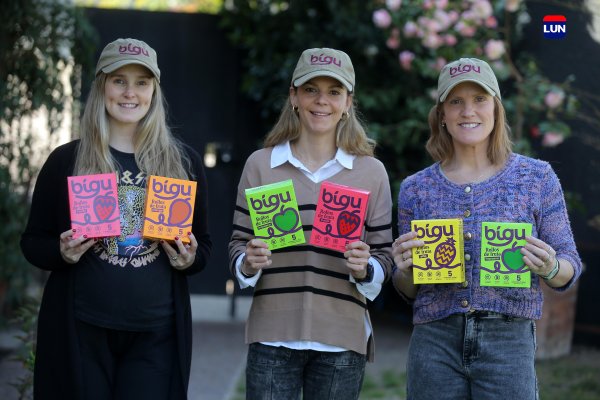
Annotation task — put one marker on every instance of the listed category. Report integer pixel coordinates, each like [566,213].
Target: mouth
[320,114]
[128,105]
[469,125]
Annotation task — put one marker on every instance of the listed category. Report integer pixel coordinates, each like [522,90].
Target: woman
[471,341]
[115,320]
[309,329]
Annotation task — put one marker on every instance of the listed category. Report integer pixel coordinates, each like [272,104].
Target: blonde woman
[115,320]
[309,330]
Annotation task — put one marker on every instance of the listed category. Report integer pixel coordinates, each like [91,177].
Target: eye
[335,92]
[455,101]
[310,89]
[480,98]
[118,81]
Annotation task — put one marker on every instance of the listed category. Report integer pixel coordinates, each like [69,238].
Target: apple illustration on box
[513,259]
[286,219]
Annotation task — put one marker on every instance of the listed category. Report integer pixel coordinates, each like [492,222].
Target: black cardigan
[57,372]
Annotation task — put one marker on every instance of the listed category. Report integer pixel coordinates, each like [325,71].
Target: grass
[573,377]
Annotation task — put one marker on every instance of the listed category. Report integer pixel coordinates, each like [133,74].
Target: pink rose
[483,9]
[393,42]
[554,98]
[512,5]
[406,58]
[494,49]
[552,139]
[410,29]
[393,4]
[382,18]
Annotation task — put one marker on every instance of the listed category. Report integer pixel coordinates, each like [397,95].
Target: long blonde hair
[440,147]
[157,151]
[350,133]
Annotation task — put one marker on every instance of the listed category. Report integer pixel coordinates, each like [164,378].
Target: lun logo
[555,27]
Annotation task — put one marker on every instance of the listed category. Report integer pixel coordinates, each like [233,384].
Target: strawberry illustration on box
[94,205]
[339,217]
[169,208]
[501,259]
[274,214]
[441,259]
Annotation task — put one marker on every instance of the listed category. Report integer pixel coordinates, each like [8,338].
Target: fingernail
[85,236]
[176,237]
[189,233]
[162,241]
[74,230]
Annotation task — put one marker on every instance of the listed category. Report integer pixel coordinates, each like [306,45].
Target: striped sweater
[525,190]
[306,294]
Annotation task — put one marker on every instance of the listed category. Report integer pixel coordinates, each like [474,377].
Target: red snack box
[339,217]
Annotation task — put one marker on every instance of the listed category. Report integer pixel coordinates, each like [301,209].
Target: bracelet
[552,273]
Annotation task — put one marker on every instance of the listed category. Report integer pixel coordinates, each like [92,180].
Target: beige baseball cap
[467,70]
[123,52]
[324,62]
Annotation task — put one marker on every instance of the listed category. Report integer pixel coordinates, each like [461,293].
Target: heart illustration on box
[286,219]
[347,223]
[513,259]
[104,206]
[179,212]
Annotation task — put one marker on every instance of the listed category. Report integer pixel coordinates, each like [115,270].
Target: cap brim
[446,92]
[303,79]
[116,65]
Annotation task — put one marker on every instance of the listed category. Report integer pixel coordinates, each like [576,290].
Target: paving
[219,351]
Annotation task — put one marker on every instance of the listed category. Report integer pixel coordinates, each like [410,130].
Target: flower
[406,57]
[382,18]
[494,49]
[512,5]
[393,5]
[552,139]
[554,98]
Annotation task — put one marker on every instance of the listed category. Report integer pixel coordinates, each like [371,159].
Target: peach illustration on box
[94,205]
[339,216]
[169,208]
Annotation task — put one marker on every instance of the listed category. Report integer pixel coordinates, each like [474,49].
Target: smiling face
[321,102]
[468,113]
[128,95]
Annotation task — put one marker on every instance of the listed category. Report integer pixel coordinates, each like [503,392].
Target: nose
[322,98]
[468,109]
[128,91]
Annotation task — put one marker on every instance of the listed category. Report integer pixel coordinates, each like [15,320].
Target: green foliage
[26,318]
[40,40]
[397,49]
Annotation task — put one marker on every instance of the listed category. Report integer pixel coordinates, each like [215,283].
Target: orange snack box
[169,208]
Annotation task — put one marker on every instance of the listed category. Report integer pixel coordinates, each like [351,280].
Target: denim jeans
[473,356]
[279,373]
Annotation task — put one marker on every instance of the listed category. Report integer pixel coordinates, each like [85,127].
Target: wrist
[368,276]
[552,273]
[244,273]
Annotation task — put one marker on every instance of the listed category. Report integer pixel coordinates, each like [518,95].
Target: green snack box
[274,214]
[501,259]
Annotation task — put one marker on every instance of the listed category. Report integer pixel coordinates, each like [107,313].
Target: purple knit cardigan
[525,190]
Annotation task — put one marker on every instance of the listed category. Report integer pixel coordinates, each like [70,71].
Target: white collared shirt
[281,154]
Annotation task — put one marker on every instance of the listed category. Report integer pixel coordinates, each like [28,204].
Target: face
[468,113]
[128,94]
[321,102]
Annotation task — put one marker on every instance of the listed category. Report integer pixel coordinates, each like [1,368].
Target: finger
[67,235]
[358,245]
[257,243]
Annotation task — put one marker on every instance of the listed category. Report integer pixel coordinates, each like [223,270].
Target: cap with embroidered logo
[467,70]
[123,52]
[324,62]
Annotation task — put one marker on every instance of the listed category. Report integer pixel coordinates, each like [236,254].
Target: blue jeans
[473,356]
[279,373]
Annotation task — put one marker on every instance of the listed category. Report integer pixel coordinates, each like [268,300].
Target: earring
[295,108]
[443,124]
[344,115]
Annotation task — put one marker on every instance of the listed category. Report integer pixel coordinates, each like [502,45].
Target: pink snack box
[94,205]
[340,216]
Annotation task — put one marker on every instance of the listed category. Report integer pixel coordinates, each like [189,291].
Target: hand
[181,256]
[538,256]
[71,249]
[357,257]
[256,258]
[402,251]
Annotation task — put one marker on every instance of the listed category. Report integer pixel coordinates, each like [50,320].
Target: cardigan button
[464,304]
[468,236]
[467,213]
[468,189]
[467,257]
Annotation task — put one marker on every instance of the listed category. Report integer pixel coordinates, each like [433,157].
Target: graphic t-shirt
[125,282]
